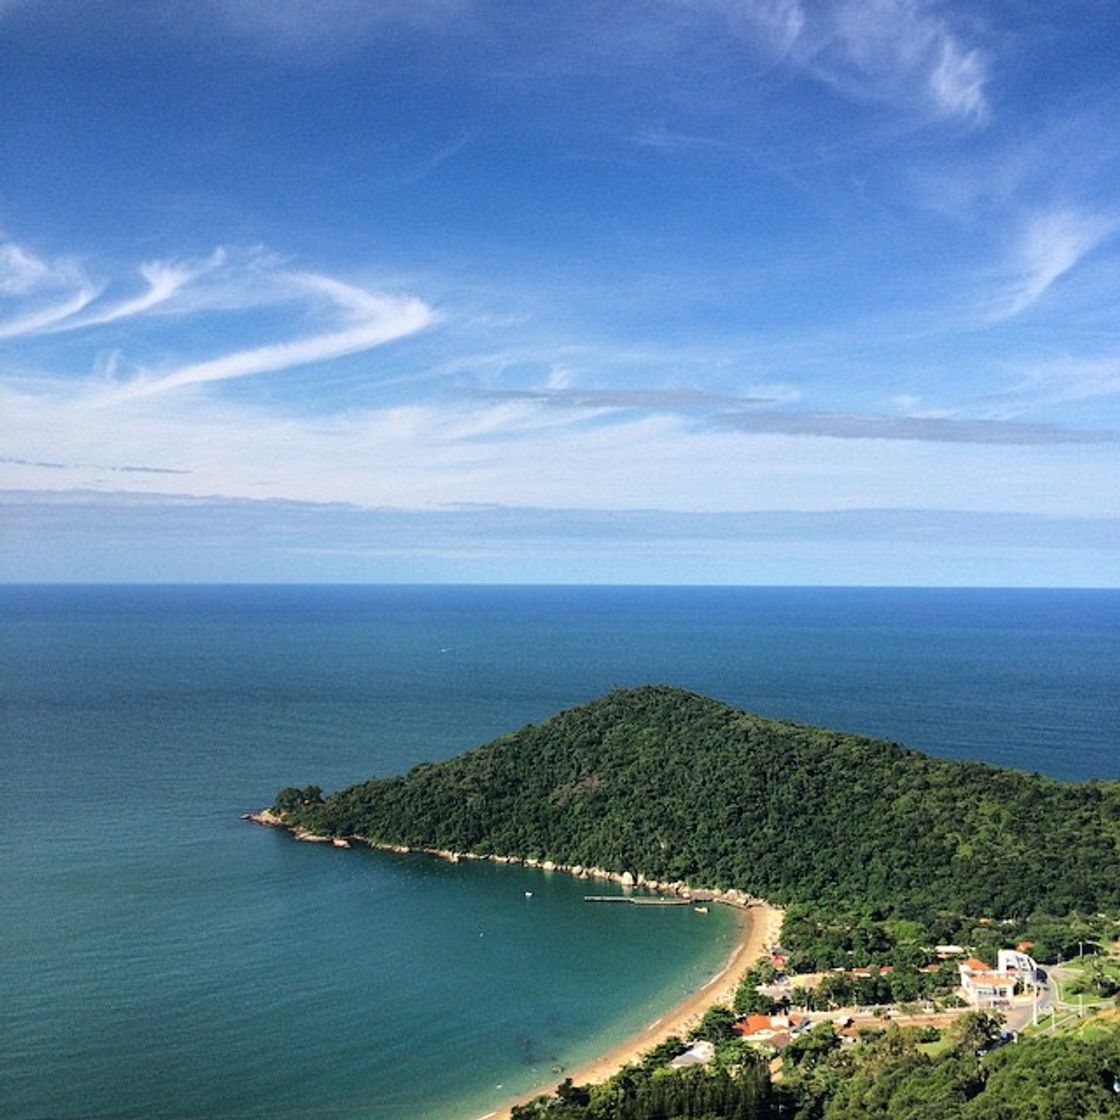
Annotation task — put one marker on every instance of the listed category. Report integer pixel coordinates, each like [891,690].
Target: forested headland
[877,852]
[674,786]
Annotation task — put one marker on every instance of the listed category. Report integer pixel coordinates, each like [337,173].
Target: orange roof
[753,1024]
[976,964]
[1023,946]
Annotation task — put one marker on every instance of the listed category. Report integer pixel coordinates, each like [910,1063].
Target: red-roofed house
[765,1028]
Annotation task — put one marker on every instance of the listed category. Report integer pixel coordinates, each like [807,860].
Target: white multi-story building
[984,986]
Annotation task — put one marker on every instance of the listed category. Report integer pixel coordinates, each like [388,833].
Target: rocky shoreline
[732,897]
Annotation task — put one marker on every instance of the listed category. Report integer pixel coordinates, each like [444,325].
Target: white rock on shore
[731,897]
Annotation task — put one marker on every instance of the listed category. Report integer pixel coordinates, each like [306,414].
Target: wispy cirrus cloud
[1050,244]
[654,400]
[894,51]
[668,140]
[376,319]
[49,316]
[164,279]
[1048,384]
[45,292]
[353,318]
[20,270]
[916,421]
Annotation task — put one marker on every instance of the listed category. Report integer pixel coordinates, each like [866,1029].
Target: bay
[161,958]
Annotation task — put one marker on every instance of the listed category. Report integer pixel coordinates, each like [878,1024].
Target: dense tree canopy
[878,852]
[888,1076]
[666,783]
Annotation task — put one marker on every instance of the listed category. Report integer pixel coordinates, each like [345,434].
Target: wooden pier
[638,900]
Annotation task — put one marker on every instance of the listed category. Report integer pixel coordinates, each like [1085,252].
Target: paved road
[1049,999]
[1021,1015]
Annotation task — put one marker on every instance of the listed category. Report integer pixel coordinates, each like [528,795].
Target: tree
[718,1025]
[290,799]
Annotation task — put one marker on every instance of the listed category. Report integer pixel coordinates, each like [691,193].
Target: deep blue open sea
[160,958]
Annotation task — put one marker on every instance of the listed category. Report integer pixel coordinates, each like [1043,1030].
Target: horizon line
[562,585]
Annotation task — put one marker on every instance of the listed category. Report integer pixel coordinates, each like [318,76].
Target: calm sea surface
[159,958]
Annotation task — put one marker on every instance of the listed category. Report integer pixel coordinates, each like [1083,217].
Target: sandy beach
[760,926]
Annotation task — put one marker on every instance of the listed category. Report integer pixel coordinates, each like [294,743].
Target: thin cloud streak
[369,318]
[1051,245]
[39,321]
[925,429]
[23,273]
[891,51]
[164,281]
[651,399]
[20,271]
[396,318]
[126,468]
[666,140]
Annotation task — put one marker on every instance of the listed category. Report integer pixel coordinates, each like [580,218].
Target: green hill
[675,786]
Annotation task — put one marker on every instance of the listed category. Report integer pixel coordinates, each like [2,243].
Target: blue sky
[690,291]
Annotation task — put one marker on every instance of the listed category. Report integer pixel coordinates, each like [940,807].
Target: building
[698,1054]
[984,986]
[767,1028]
[1017,962]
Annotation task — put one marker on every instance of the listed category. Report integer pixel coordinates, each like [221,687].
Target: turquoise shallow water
[163,959]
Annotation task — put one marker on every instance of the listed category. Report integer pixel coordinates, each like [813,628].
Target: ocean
[161,958]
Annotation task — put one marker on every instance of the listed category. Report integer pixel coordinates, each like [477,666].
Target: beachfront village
[992,1024]
[777,1008]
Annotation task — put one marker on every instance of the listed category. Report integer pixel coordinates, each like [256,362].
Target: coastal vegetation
[735,1089]
[847,937]
[887,862]
[673,786]
[891,1074]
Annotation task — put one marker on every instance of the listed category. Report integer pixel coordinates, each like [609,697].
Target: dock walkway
[639,900]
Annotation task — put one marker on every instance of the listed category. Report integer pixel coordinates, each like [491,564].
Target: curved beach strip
[760,927]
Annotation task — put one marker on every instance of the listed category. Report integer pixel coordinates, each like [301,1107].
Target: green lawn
[932,1049]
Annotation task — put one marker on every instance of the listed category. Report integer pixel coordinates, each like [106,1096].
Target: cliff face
[673,787]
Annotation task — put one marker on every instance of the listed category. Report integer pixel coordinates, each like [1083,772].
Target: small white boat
[700,909]
[528,894]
